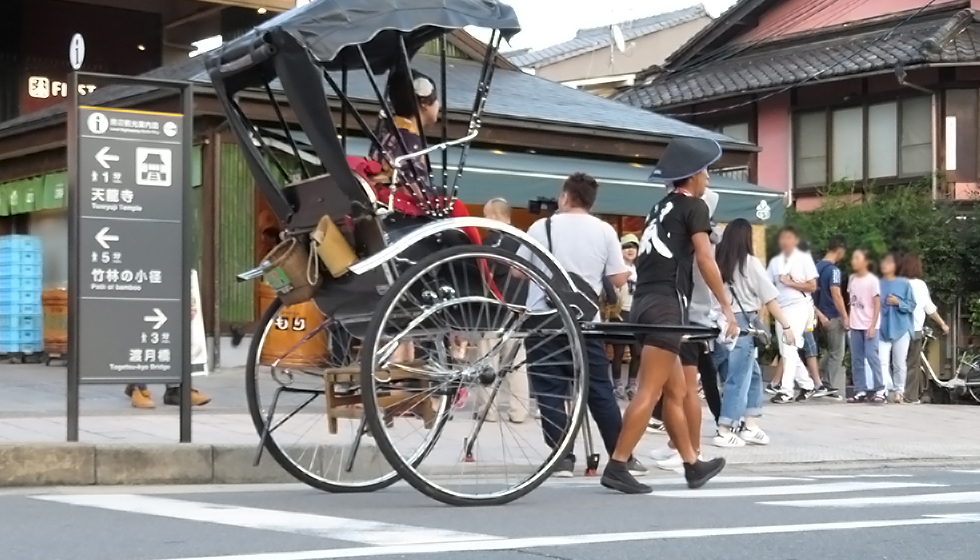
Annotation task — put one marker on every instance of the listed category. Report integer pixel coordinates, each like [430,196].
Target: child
[864,292]
[897,327]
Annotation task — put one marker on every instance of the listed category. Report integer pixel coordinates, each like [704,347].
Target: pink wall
[774,137]
[795,16]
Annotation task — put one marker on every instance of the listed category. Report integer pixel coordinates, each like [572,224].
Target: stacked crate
[21,316]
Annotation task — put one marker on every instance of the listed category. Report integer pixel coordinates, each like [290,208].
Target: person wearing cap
[676,236]
[630,244]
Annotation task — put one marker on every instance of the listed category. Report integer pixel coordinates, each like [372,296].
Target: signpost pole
[187,107]
[73,263]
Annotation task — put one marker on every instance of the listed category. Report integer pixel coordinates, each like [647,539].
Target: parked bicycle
[967,378]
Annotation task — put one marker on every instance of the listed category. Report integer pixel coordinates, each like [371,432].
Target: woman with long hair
[897,327]
[915,383]
[749,290]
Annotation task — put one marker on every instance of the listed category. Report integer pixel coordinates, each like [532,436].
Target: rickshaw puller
[676,235]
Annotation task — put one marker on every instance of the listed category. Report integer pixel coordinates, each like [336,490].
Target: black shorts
[691,353]
[659,309]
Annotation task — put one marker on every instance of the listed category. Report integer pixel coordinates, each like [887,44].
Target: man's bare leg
[656,366]
[675,415]
[692,407]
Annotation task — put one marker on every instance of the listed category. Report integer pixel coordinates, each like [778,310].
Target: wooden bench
[394,402]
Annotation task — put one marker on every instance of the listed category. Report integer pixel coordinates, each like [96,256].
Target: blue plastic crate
[19,322]
[17,308]
[21,242]
[29,270]
[9,347]
[20,296]
[13,256]
[30,347]
[30,336]
[21,284]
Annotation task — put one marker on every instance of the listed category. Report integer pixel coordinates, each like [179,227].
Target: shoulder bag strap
[547,230]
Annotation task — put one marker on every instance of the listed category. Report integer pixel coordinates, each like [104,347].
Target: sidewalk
[33,428]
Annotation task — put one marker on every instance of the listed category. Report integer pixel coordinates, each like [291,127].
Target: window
[739,131]
[811,149]
[877,141]
[847,144]
[916,153]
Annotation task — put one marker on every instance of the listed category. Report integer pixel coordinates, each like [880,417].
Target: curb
[81,464]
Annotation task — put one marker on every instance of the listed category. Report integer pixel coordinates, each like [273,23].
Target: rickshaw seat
[404,203]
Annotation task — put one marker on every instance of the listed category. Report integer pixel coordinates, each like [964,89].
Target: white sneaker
[755,436]
[728,439]
[663,453]
[674,464]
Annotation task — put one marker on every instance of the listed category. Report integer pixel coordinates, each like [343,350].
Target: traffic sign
[130,273]
[76,51]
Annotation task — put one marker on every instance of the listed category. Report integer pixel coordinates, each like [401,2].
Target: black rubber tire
[395,459]
[258,419]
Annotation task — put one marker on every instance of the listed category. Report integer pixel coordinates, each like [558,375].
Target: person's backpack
[609,293]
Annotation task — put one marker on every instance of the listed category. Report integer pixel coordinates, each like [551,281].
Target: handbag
[580,283]
[762,335]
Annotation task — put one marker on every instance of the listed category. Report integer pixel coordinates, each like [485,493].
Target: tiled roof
[588,40]
[945,39]
[515,96]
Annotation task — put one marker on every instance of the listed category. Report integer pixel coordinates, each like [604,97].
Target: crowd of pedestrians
[684,269]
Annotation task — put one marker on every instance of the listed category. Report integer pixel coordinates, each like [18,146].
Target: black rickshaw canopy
[332,29]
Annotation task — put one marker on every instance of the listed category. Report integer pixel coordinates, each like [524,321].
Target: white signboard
[76,51]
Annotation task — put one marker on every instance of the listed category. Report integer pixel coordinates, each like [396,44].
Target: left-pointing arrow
[104,238]
[104,157]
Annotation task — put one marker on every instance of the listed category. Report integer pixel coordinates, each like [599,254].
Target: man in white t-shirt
[588,247]
[795,276]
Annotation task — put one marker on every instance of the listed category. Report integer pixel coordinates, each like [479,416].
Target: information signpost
[129,274]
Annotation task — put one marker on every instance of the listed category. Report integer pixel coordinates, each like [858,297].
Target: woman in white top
[915,383]
[626,389]
[749,290]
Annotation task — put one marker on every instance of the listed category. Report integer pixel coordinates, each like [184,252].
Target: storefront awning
[623,187]
[42,192]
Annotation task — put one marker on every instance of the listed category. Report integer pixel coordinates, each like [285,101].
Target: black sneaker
[805,395]
[781,398]
[565,468]
[635,467]
[700,473]
[772,389]
[616,476]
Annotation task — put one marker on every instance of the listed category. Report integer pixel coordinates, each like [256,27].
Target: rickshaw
[413,329]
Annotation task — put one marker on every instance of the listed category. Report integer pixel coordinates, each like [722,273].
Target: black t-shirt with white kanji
[665,264]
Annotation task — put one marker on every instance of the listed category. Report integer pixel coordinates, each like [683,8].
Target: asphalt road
[893,514]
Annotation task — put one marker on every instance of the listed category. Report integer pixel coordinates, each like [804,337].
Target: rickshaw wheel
[442,331]
[975,393]
[289,379]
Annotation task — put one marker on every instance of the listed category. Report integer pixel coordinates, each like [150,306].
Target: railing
[734,173]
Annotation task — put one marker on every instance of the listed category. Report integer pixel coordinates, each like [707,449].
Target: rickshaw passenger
[402,95]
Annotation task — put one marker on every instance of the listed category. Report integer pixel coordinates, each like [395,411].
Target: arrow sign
[104,238]
[104,157]
[158,317]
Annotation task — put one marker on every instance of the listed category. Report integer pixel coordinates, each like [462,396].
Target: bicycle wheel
[285,384]
[443,331]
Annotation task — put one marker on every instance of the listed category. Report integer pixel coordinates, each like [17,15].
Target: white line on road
[679,481]
[579,540]
[336,528]
[853,476]
[915,499]
[792,489]
[974,471]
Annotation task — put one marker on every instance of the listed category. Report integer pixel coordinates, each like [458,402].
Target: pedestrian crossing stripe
[308,524]
[880,501]
[792,489]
